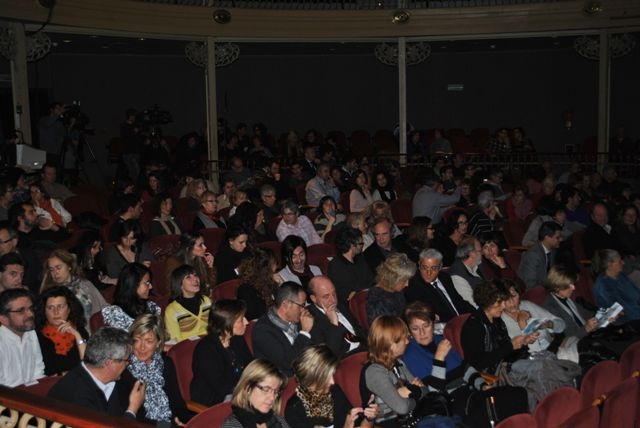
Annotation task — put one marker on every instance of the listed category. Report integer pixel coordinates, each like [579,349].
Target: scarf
[156,402]
[252,417]
[63,342]
[316,404]
[289,328]
[55,216]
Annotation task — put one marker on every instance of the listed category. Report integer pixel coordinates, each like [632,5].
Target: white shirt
[287,275]
[346,324]
[462,285]
[106,388]
[536,311]
[20,358]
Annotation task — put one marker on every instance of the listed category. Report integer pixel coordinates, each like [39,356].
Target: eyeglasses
[296,303]
[21,310]
[430,268]
[269,390]
[56,308]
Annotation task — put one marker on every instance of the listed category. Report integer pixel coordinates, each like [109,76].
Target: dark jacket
[349,277]
[418,289]
[331,335]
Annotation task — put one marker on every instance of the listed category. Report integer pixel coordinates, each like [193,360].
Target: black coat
[418,289]
[331,335]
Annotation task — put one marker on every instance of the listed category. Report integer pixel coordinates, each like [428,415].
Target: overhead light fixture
[400,17]
[416,53]
[225,53]
[222,16]
[592,7]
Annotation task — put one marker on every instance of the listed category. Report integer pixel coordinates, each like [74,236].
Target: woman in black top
[233,250]
[221,355]
[258,281]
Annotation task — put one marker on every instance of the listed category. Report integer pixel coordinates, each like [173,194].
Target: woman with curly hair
[60,328]
[258,280]
[392,276]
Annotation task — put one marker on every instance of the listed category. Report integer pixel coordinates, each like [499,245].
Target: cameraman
[52,132]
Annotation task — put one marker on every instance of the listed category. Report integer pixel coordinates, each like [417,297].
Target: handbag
[434,403]
[486,408]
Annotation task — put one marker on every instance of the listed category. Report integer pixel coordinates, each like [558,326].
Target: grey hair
[467,245]
[108,343]
[431,253]
[290,205]
[601,260]
[485,199]
[267,188]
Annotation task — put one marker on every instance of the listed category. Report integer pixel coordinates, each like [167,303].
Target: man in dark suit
[333,324]
[383,246]
[434,287]
[597,236]
[285,330]
[538,259]
[93,384]
[348,270]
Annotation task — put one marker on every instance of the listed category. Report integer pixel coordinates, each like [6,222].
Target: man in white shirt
[19,348]
[321,185]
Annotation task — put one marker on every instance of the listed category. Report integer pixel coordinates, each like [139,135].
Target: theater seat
[630,360]
[348,376]
[558,406]
[226,290]
[599,380]
[620,406]
[586,418]
[42,385]
[521,420]
[214,416]
[358,308]
[182,356]
[453,331]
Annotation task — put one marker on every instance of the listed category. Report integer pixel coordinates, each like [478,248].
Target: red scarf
[63,342]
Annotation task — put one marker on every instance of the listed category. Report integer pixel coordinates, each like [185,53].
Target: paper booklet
[534,325]
[604,315]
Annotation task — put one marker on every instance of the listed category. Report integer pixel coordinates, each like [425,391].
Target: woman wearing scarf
[207,217]
[318,402]
[147,363]
[294,255]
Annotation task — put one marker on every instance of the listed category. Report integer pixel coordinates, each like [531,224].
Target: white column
[604,68]
[402,96]
[20,83]
[212,114]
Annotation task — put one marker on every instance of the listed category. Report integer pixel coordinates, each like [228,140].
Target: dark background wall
[505,88]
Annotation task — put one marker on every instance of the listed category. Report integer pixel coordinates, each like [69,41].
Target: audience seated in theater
[627,231]
[129,248]
[518,206]
[60,325]
[221,356]
[518,313]
[384,246]
[333,324]
[337,176]
[188,313]
[359,221]
[597,235]
[105,358]
[225,198]
[123,186]
[163,404]
[348,270]
[155,185]
[383,187]
[465,271]
[328,217]
[321,185]
[193,252]
[249,408]
[293,223]
[269,202]
[296,177]
[550,211]
[284,331]
[273,177]
[417,237]
[431,357]
[317,400]
[34,231]
[521,143]
[251,218]
[392,277]
[487,218]
[454,232]
[240,196]
[440,144]
[51,186]
[571,200]
[433,286]
[500,143]
[448,183]
[494,184]
[294,258]
[12,271]
[232,251]
[360,197]
[19,349]
[131,298]
[258,281]
[429,200]
[61,269]
[240,175]
[130,209]
[163,222]
[309,162]
[193,190]
[6,199]
[190,151]
[378,210]
[349,168]
[494,264]
[208,217]
[537,260]
[465,194]
[610,187]
[48,207]
[484,337]
[613,285]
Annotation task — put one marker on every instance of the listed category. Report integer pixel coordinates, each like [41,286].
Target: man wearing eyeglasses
[32,270]
[430,201]
[93,384]
[285,330]
[20,352]
[433,286]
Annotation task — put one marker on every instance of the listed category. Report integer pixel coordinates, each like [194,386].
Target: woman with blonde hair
[256,398]
[61,269]
[318,402]
[392,277]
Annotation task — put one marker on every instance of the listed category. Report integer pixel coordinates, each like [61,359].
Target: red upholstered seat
[158,279]
[274,246]
[620,407]
[558,406]
[182,356]
[247,335]
[586,418]
[348,376]
[453,331]
[401,210]
[521,420]
[42,386]
[214,416]
[288,392]
[96,321]
[599,380]
[536,295]
[357,306]
[213,238]
[226,290]
[319,254]
[164,246]
[630,360]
